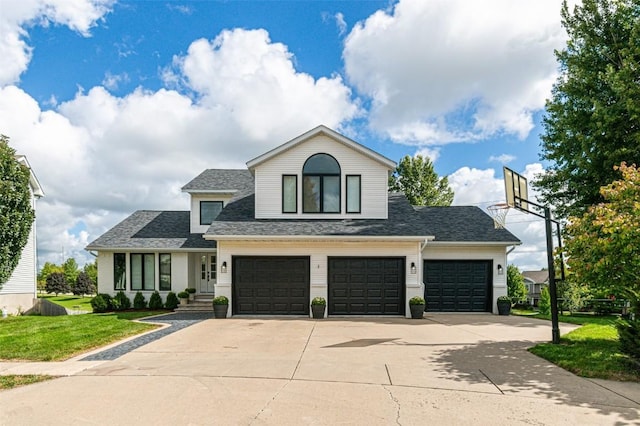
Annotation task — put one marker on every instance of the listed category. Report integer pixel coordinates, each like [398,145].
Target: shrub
[172,301]
[183,295]
[544,304]
[190,290]
[155,301]
[84,285]
[121,302]
[220,300]
[416,300]
[318,301]
[629,332]
[100,304]
[503,299]
[139,302]
[57,283]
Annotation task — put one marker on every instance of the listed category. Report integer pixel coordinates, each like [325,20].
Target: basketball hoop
[499,214]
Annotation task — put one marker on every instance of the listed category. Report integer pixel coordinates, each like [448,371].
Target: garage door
[457,285]
[366,286]
[271,285]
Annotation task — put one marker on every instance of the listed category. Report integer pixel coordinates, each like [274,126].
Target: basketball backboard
[515,187]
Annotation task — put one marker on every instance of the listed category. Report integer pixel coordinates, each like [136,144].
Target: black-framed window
[119,271]
[165,271]
[289,194]
[143,268]
[354,197]
[209,210]
[321,184]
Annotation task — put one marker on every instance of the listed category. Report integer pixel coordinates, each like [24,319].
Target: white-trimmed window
[289,194]
[354,198]
[321,184]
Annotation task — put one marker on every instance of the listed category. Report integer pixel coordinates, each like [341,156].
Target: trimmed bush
[139,302]
[417,300]
[318,301]
[629,332]
[100,304]
[172,301]
[155,301]
[220,300]
[190,290]
[121,302]
[183,295]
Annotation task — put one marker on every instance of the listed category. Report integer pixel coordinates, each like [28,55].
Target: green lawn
[39,338]
[69,302]
[8,382]
[591,350]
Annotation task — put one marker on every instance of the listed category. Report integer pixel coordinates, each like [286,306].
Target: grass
[591,350]
[38,338]
[69,302]
[9,382]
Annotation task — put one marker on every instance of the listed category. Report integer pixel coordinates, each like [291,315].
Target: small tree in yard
[516,288]
[57,283]
[544,304]
[84,285]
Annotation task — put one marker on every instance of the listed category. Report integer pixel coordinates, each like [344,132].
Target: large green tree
[602,247]
[16,213]
[592,121]
[417,179]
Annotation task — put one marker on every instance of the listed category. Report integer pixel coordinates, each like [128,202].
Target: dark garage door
[457,285]
[271,285]
[366,286]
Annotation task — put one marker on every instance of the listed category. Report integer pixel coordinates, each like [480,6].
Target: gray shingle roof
[239,180]
[459,224]
[146,229]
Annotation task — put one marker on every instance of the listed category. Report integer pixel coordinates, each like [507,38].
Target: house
[535,282]
[312,217]
[19,292]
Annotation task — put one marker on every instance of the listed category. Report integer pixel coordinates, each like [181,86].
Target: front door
[207,273]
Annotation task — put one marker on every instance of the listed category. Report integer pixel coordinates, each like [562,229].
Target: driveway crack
[303,351]
[275,395]
[396,402]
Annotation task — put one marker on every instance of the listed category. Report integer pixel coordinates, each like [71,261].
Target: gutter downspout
[512,249]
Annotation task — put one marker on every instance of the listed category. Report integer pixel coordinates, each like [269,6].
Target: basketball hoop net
[499,214]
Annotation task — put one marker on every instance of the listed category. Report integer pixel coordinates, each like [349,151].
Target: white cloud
[503,158]
[340,23]
[100,157]
[112,81]
[431,153]
[427,64]
[15,53]
[482,188]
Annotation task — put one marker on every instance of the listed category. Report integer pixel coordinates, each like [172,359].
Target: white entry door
[207,273]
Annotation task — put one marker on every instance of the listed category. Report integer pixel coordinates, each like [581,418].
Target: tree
[592,121]
[419,182]
[92,270]
[47,270]
[603,246]
[83,285]
[516,289]
[16,212]
[70,270]
[57,283]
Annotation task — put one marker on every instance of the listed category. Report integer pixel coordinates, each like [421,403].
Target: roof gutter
[425,242]
[316,238]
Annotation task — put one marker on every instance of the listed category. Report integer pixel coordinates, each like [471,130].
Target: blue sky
[118,104]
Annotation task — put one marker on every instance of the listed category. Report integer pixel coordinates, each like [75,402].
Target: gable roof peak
[321,130]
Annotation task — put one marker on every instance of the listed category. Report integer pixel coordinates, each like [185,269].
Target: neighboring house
[312,217]
[20,291]
[535,282]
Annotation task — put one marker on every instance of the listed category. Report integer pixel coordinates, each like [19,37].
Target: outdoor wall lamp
[223,268]
[413,267]
[500,270]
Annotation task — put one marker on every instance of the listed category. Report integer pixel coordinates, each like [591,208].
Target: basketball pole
[555,329]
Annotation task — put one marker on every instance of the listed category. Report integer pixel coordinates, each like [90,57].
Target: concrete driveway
[444,369]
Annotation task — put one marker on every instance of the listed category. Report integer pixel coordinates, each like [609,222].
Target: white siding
[196,228]
[374,179]
[319,252]
[498,254]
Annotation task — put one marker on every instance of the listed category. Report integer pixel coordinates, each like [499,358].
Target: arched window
[321,185]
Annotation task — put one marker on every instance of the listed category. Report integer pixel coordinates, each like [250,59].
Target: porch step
[201,304]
